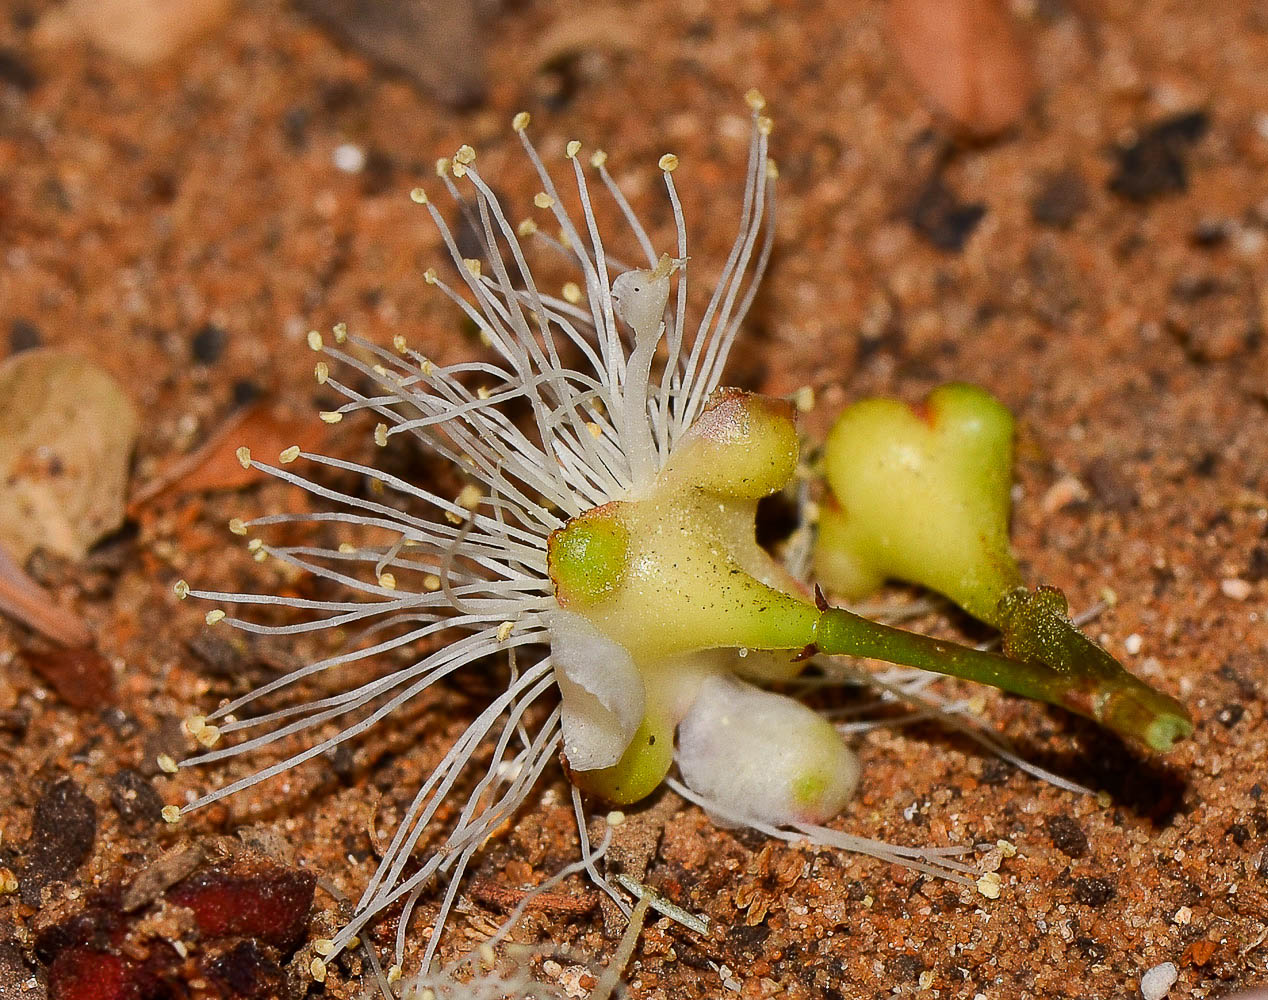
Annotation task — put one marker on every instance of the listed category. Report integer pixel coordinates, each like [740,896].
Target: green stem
[1112,697]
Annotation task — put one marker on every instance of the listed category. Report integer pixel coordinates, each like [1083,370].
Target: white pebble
[1237,589]
[1157,982]
[349,158]
[1133,644]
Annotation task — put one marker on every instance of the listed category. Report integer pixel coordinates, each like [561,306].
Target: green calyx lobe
[923,496]
[587,557]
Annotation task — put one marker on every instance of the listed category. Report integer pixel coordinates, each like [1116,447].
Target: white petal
[603,694]
[765,755]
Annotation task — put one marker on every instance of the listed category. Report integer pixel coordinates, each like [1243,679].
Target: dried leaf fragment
[66,435]
[142,32]
[967,58]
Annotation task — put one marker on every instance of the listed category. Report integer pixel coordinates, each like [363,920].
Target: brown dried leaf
[24,600]
[265,431]
[439,44]
[968,59]
[66,435]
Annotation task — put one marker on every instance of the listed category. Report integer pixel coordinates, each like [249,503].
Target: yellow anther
[755,100]
[483,392]
[347,548]
[599,159]
[237,526]
[772,170]
[526,228]
[465,155]
[181,589]
[340,330]
[171,814]
[399,344]
[317,969]
[668,163]
[244,456]
[255,545]
[442,167]
[572,149]
[194,725]
[321,372]
[469,497]
[429,276]
[595,430]
[166,764]
[418,196]
[380,435]
[472,265]
[214,616]
[324,947]
[572,292]
[208,736]
[431,582]
[289,455]
[331,416]
[520,121]
[542,200]
[765,125]
[504,631]
[314,340]
[387,581]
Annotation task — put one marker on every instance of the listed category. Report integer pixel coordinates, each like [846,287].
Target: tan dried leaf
[66,435]
[142,32]
[968,58]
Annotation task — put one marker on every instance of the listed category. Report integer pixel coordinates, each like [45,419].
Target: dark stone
[939,216]
[1062,197]
[1230,715]
[24,336]
[134,798]
[1154,165]
[16,71]
[1093,891]
[1067,836]
[244,971]
[1257,567]
[246,392]
[1091,950]
[62,833]
[1239,833]
[208,344]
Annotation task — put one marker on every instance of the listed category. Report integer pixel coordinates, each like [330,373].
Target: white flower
[601,419]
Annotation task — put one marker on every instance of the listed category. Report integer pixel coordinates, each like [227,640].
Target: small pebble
[1237,590]
[349,158]
[1133,644]
[1157,982]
